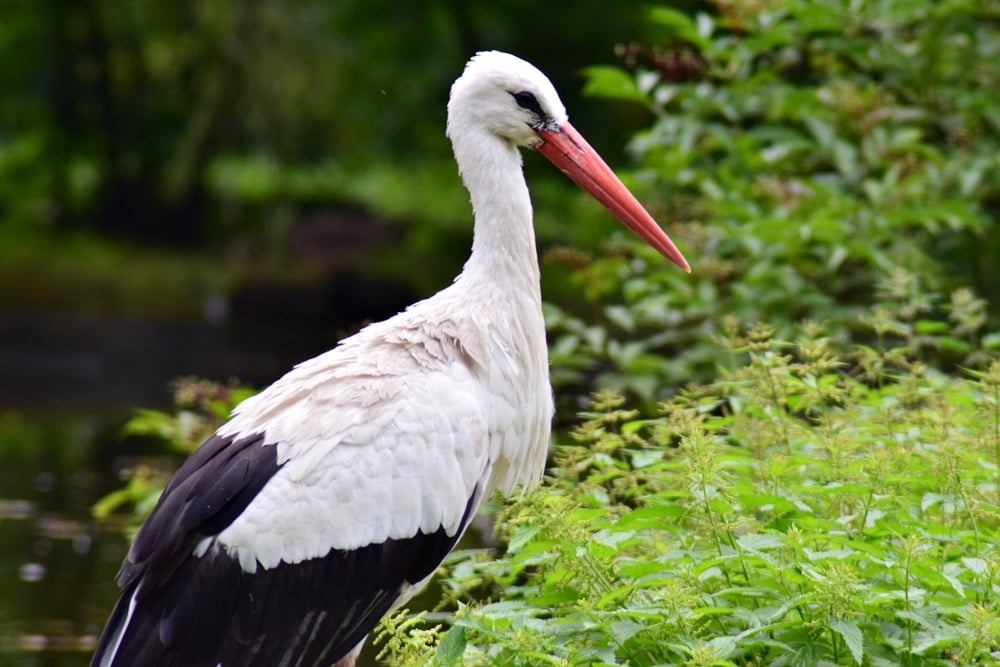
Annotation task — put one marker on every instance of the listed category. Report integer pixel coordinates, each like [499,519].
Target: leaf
[930,326]
[452,645]
[759,541]
[522,536]
[651,516]
[955,583]
[712,611]
[931,499]
[612,83]
[150,422]
[680,25]
[646,457]
[851,634]
[623,629]
[953,344]
[828,553]
[938,638]
[722,647]
[926,617]
[991,341]
[976,565]
[109,503]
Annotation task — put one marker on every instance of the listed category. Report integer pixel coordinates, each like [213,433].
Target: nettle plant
[810,506]
[817,503]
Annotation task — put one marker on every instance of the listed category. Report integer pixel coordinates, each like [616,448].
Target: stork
[331,497]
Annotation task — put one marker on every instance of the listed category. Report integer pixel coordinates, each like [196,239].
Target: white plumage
[328,498]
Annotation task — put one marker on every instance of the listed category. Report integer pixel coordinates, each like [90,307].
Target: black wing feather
[202,611]
[206,494]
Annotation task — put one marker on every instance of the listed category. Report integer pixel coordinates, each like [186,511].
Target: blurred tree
[114,113]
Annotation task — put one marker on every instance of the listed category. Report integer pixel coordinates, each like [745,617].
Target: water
[57,565]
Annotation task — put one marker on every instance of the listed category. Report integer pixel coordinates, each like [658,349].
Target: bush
[810,506]
[802,153]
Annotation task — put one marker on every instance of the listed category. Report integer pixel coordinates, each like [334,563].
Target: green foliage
[200,406]
[812,505]
[801,153]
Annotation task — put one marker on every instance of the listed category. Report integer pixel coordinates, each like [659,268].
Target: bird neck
[503,247]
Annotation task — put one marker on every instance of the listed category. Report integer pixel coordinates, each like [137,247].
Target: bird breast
[392,432]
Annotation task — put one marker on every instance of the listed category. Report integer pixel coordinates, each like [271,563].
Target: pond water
[57,565]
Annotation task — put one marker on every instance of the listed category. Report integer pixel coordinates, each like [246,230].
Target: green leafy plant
[200,406]
[813,505]
[803,153]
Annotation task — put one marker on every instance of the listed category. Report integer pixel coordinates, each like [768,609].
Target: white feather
[392,431]
[108,657]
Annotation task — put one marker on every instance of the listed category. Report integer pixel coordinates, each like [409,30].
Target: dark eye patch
[528,101]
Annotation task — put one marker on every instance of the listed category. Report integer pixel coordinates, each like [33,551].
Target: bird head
[510,98]
[507,96]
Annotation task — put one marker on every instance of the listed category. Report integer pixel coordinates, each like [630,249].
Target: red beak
[566,149]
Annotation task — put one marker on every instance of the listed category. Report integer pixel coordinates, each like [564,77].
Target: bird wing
[323,503]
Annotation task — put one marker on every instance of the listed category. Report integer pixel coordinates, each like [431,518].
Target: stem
[867,505]
[906,600]
[778,410]
[996,435]
[968,511]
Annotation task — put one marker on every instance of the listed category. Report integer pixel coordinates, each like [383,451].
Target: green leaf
[939,638]
[977,566]
[679,25]
[955,584]
[646,457]
[851,634]
[522,536]
[722,647]
[624,629]
[931,327]
[112,501]
[991,341]
[150,422]
[953,344]
[452,645]
[612,83]
[759,541]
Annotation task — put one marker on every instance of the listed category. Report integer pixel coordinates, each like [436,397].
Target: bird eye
[528,101]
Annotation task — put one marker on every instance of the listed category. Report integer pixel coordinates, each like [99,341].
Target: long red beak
[569,151]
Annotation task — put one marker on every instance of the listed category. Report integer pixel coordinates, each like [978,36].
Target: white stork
[331,497]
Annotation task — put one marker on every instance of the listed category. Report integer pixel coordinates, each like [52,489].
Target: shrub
[810,506]
[802,153]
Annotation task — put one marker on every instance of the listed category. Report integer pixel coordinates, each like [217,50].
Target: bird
[331,497]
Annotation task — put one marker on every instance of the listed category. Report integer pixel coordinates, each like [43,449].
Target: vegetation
[200,406]
[811,506]
[803,153]
[792,456]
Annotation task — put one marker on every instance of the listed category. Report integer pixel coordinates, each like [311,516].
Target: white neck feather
[503,247]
